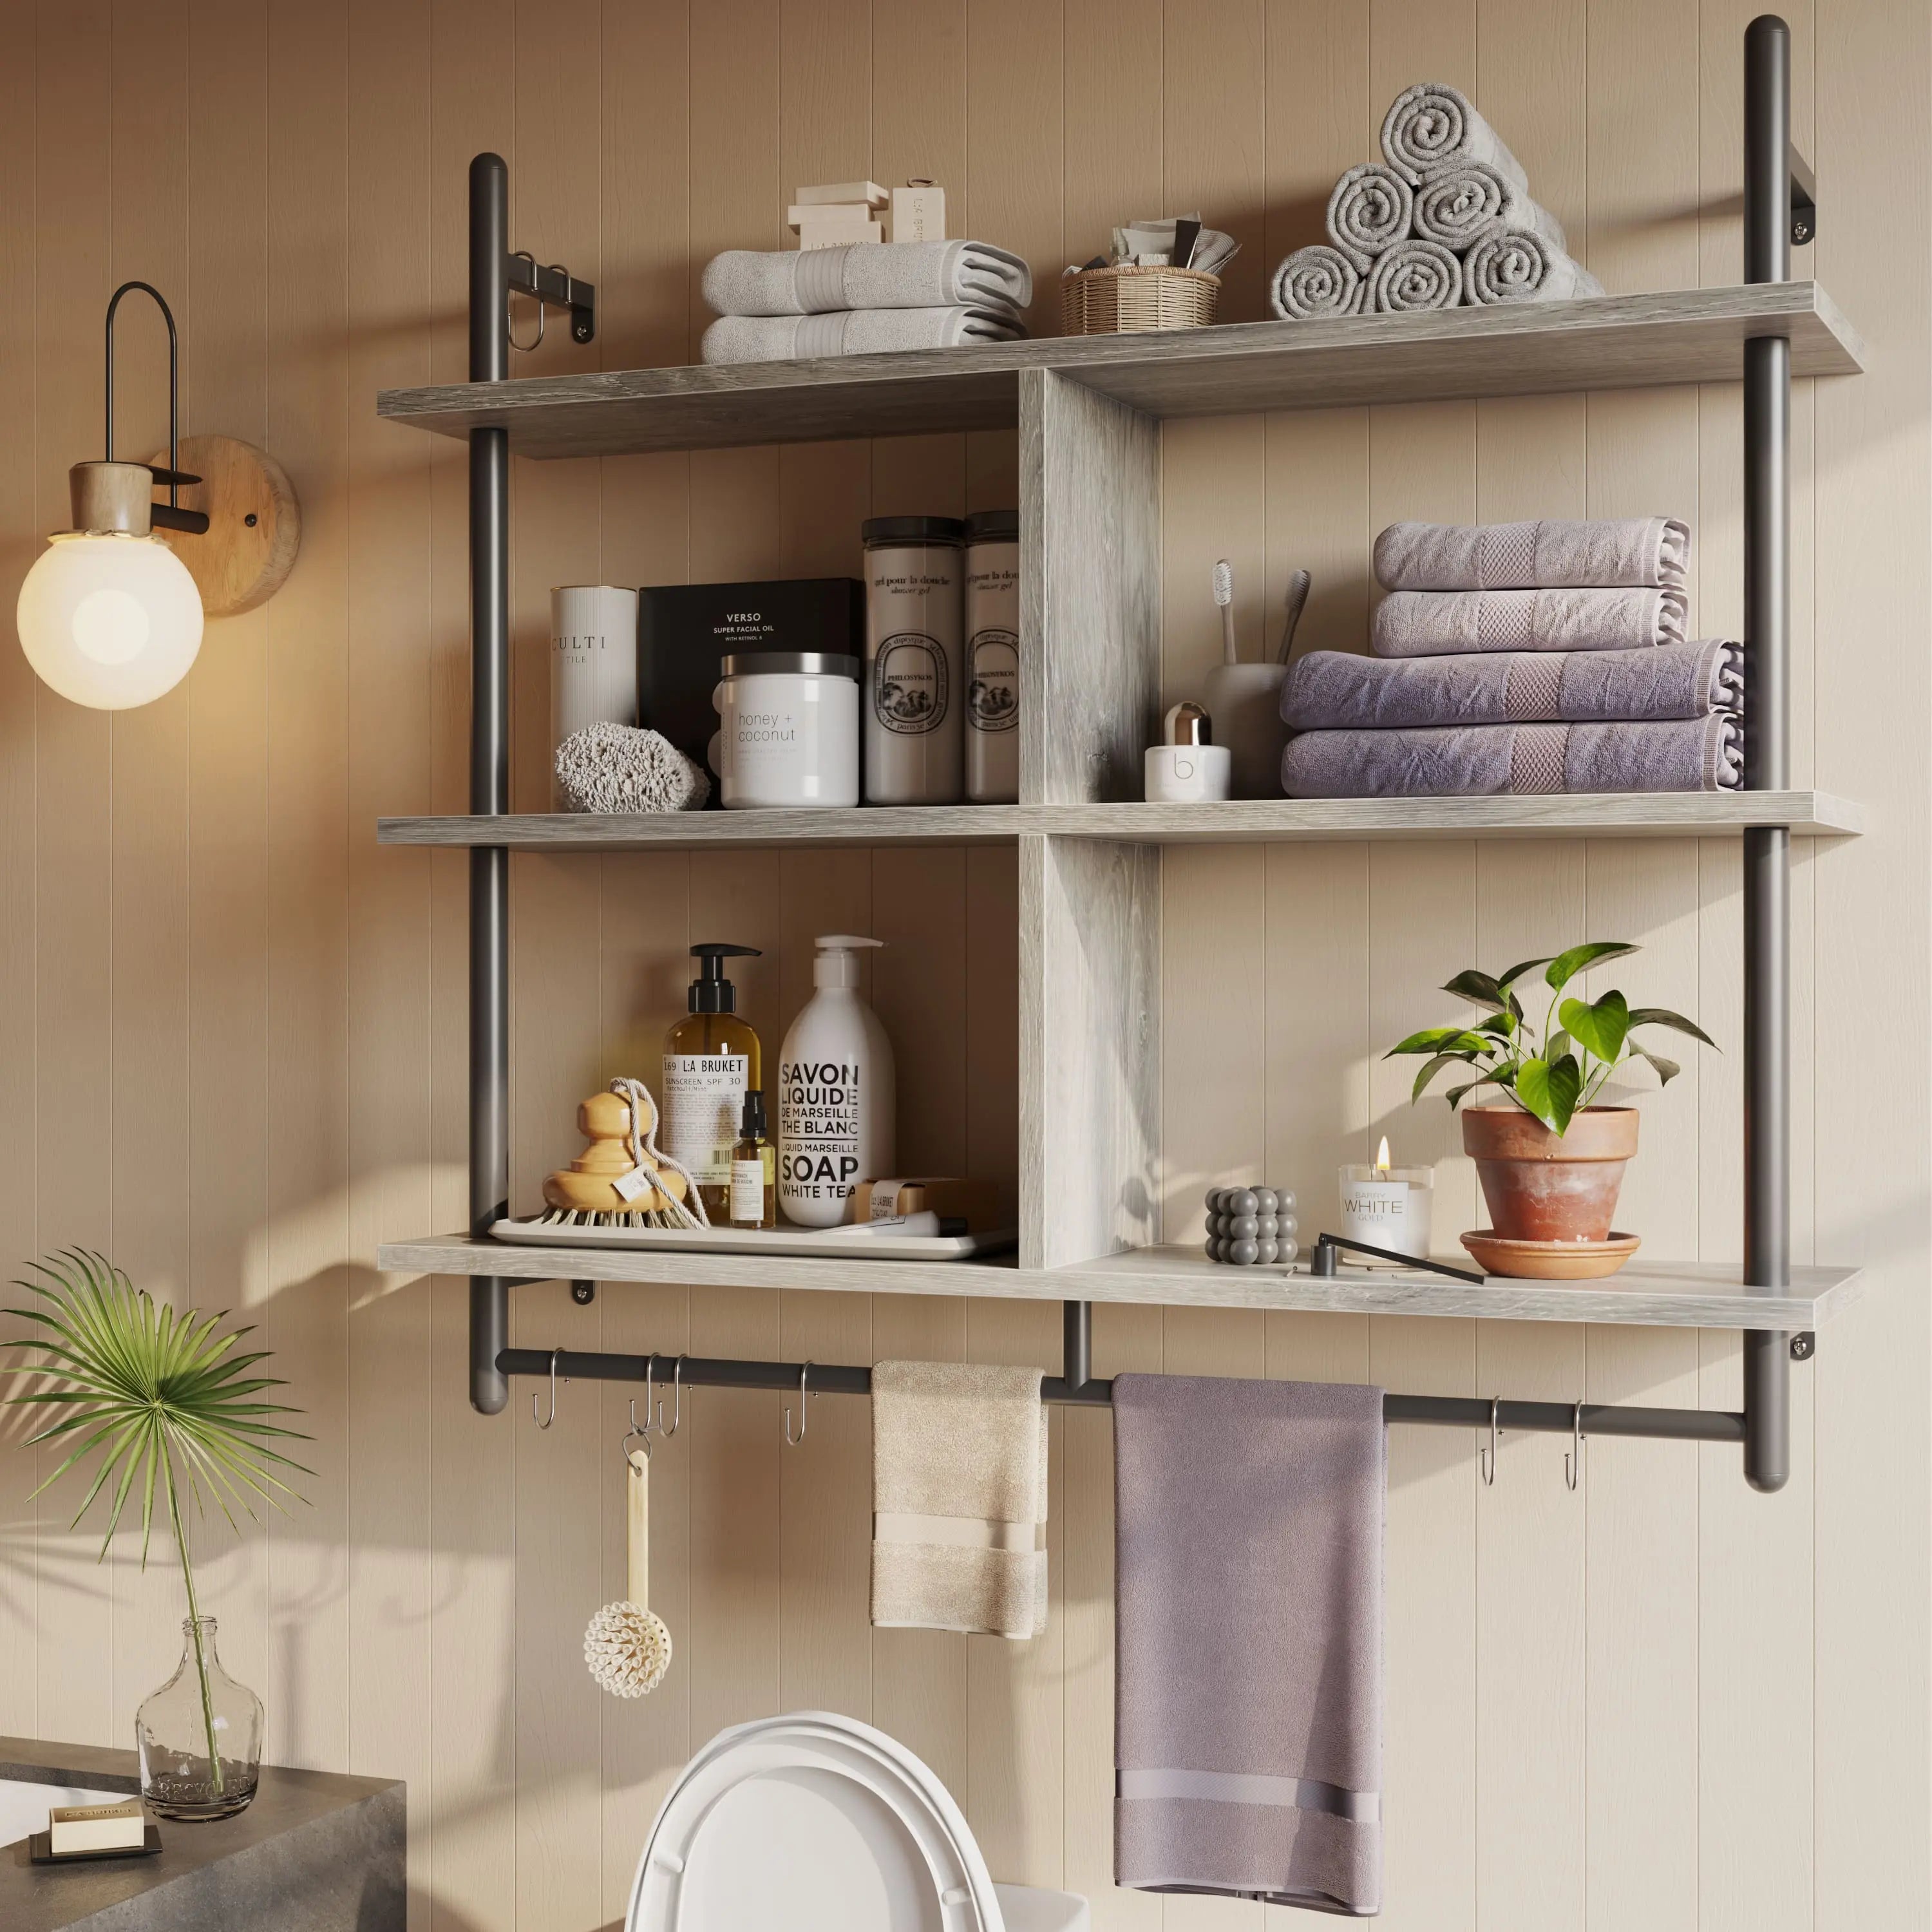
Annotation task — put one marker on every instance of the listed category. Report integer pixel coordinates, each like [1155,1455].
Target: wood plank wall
[231,1033]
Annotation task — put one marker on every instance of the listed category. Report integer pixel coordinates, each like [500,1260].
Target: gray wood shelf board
[1646,1293]
[1625,341]
[1813,814]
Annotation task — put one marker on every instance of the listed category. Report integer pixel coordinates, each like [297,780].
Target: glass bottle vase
[200,1735]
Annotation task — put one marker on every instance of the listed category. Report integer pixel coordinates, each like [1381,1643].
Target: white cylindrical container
[993,657]
[836,1119]
[915,662]
[788,730]
[593,662]
[1388,1207]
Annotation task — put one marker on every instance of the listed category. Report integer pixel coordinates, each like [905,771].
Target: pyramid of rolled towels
[783,304]
[1519,657]
[1445,219]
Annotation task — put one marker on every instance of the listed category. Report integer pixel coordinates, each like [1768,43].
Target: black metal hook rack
[1779,209]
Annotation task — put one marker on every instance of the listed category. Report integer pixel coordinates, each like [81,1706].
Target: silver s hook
[1486,1456]
[509,326]
[634,1434]
[676,1401]
[1573,1470]
[545,1422]
[792,1441]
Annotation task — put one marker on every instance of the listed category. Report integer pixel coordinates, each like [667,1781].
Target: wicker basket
[1131,301]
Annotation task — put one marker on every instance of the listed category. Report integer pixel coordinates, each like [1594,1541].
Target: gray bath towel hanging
[1248,1607]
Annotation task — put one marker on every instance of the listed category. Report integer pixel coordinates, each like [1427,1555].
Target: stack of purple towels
[1543,657]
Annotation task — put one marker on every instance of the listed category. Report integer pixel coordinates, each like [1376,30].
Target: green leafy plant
[165,1400]
[1553,1068]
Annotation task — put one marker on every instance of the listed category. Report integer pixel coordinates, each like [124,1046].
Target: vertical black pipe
[1077,1342]
[489,773]
[1767,853]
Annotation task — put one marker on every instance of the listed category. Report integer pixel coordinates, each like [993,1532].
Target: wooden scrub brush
[622,1179]
[627,1646]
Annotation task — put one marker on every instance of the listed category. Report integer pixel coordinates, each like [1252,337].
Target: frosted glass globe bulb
[109,620]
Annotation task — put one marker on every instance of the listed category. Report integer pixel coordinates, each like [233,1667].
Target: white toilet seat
[819,1823]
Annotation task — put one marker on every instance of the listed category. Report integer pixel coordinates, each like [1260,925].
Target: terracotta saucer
[1549,1261]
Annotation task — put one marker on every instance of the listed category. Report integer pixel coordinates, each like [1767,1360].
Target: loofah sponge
[628,1649]
[619,769]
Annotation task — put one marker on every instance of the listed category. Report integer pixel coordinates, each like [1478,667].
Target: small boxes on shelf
[835,214]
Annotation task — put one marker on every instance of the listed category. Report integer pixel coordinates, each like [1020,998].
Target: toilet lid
[816,1822]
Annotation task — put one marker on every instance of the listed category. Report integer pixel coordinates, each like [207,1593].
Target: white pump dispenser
[835,1112]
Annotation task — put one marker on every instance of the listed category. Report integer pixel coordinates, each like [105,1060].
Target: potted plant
[1550,1158]
[174,1413]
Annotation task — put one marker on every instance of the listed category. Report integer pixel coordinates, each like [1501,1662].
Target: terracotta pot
[1541,1188]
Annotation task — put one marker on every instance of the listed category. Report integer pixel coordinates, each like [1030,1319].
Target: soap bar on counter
[97,1827]
[975,1202]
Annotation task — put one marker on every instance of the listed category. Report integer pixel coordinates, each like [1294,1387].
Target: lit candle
[1388,1207]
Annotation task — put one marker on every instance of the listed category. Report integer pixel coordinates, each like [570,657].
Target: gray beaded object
[1250,1227]
[618,769]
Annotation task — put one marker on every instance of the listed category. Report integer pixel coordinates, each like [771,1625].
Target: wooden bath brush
[626,1646]
[622,1179]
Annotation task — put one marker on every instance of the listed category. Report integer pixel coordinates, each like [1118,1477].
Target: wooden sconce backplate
[254,523]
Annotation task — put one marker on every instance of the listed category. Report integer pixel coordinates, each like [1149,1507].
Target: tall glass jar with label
[915,660]
[711,1060]
[993,657]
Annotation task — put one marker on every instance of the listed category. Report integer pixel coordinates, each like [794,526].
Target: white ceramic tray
[845,1244]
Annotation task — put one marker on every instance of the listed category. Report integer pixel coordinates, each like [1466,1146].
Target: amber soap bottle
[711,1061]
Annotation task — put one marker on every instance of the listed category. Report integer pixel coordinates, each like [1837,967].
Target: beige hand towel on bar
[958,1499]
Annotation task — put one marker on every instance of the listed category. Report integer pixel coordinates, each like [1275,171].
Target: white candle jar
[787,730]
[1389,1208]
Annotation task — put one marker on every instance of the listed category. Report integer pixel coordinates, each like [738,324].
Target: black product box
[685,629]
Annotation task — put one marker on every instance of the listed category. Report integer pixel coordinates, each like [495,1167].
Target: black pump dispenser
[711,992]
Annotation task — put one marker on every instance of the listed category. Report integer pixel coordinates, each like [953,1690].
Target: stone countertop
[314,1852]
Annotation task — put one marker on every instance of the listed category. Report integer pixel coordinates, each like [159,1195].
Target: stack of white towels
[1444,220]
[782,305]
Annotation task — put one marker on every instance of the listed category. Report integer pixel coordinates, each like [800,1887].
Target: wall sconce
[109,616]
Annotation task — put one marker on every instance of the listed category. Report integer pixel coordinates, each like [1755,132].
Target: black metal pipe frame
[1763,1426]
[1767,850]
[489,774]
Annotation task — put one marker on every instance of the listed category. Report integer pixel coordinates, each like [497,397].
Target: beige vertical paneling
[1214,112]
[1014,80]
[305,1262]
[20,527]
[72,1051]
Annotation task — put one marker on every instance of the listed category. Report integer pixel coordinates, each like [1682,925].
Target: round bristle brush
[626,1646]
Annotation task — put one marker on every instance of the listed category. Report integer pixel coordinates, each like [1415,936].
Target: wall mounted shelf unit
[1088,412]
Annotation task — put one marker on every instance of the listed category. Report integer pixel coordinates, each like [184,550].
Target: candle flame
[1381,1155]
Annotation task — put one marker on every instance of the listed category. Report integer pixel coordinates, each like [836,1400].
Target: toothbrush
[1224,595]
[1297,600]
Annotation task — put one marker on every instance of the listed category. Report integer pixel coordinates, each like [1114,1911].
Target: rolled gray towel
[1445,623]
[1551,553]
[1458,205]
[904,275]
[865,332]
[1478,760]
[1415,276]
[1432,124]
[1338,691]
[1315,281]
[1519,266]
[1368,212]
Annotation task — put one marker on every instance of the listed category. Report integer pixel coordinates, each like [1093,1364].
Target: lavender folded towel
[1459,205]
[1431,125]
[1369,211]
[1248,1612]
[908,274]
[1338,691]
[1475,760]
[1439,623]
[1415,275]
[1550,554]
[863,331]
[1517,264]
[1316,281]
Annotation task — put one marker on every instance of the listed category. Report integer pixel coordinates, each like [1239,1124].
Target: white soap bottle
[835,1113]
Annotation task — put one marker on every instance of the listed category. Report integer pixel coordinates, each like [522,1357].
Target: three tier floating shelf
[1089,411]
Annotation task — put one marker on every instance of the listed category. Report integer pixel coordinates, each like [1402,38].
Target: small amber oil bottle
[755,1198]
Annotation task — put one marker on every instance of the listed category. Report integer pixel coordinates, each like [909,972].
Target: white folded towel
[959,1480]
[900,274]
[864,331]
